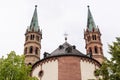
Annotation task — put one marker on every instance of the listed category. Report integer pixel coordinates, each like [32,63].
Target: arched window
[29,64]
[31,49]
[25,52]
[96,49]
[88,38]
[41,73]
[36,50]
[27,38]
[99,38]
[90,50]
[31,37]
[94,37]
[37,38]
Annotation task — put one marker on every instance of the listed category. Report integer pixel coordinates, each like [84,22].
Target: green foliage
[110,69]
[14,68]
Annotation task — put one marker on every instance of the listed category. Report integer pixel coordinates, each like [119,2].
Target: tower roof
[34,22]
[90,21]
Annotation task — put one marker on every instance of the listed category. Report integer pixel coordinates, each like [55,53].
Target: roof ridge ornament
[35,5]
[88,6]
[65,34]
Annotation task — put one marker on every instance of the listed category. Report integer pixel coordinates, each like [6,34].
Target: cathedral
[65,62]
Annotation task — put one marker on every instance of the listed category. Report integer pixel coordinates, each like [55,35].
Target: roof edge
[57,56]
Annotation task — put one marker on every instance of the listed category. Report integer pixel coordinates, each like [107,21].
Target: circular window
[40,73]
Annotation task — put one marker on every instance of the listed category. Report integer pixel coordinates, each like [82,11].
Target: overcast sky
[55,18]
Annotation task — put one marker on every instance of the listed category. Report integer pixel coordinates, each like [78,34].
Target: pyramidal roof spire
[90,21]
[34,22]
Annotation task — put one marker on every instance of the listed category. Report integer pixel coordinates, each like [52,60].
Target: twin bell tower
[33,36]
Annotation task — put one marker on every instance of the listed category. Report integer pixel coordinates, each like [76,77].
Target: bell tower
[33,38]
[92,38]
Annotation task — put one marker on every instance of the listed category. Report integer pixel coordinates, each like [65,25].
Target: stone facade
[92,36]
[33,38]
[65,62]
[66,68]
[32,47]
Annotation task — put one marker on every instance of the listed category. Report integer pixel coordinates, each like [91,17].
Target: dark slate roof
[65,49]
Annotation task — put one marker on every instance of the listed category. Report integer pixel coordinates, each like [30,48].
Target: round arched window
[36,50]
[96,49]
[31,49]
[41,73]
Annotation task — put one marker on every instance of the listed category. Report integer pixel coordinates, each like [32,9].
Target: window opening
[25,51]
[36,50]
[94,37]
[96,49]
[31,49]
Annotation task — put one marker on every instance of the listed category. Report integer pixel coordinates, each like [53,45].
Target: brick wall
[69,68]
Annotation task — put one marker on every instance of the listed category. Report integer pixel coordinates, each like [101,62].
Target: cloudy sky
[55,18]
